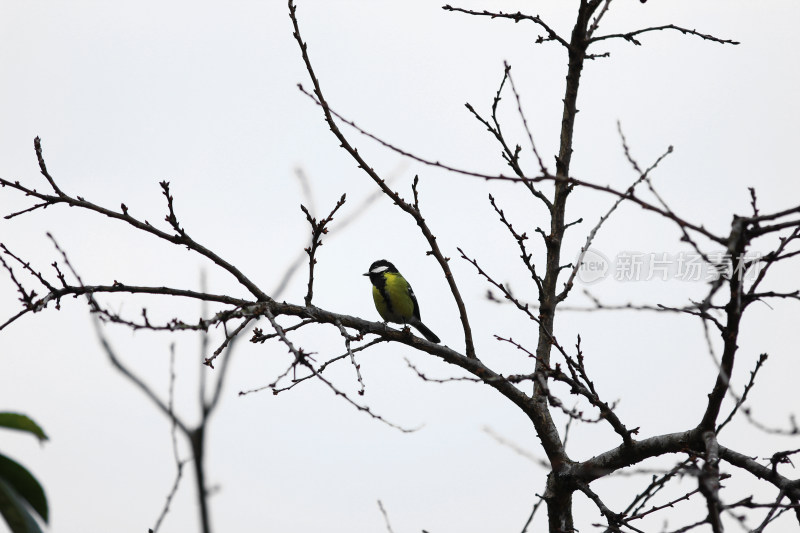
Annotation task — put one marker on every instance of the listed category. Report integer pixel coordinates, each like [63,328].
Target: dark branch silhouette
[548,370]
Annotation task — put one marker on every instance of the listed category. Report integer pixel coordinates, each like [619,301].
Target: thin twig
[179,463]
[385,517]
[516,17]
[631,36]
[318,229]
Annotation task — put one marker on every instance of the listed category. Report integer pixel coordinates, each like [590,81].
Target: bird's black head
[379,267]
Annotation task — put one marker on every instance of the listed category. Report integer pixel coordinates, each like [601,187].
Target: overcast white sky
[203,94]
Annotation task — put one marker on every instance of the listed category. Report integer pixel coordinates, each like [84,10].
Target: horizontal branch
[255,309]
[86,290]
[516,17]
[635,452]
[631,36]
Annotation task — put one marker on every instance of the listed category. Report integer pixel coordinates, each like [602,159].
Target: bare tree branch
[317,230]
[631,35]
[516,17]
[412,210]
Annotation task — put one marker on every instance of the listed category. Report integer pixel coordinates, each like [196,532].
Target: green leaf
[22,423]
[24,485]
[14,511]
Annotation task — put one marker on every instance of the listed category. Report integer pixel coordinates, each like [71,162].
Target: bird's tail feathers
[428,334]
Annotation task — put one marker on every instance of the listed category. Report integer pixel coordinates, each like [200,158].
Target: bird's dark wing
[414,299]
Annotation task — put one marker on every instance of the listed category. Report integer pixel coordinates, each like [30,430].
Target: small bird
[394,298]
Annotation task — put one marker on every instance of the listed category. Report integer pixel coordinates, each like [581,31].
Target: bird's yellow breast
[393,300]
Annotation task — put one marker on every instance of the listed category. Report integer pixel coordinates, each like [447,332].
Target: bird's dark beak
[367,274]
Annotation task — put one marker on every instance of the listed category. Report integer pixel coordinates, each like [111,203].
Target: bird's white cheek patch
[378,270]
